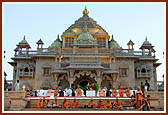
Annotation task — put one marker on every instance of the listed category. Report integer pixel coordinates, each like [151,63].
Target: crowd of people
[138,98]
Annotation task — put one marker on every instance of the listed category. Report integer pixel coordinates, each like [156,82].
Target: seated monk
[127,91]
[108,105]
[65,104]
[91,104]
[102,92]
[39,103]
[78,91]
[56,91]
[43,103]
[75,104]
[114,92]
[121,92]
[100,104]
[48,104]
[55,104]
[117,104]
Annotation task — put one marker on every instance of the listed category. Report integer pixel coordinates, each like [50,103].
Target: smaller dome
[130,43]
[57,43]
[40,42]
[113,44]
[85,37]
[146,44]
[23,43]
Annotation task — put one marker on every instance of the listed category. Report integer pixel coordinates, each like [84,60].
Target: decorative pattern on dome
[113,44]
[57,43]
[79,24]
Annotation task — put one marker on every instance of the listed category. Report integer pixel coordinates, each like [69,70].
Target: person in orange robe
[55,104]
[117,104]
[91,104]
[39,103]
[133,102]
[127,91]
[27,92]
[78,91]
[114,92]
[108,105]
[56,91]
[65,104]
[100,104]
[43,102]
[139,96]
[121,92]
[75,104]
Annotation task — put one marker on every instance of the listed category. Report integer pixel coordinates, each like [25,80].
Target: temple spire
[85,11]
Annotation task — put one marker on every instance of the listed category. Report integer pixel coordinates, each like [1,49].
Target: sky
[125,21]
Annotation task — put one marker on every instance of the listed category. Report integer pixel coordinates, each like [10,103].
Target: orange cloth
[56,91]
[26,93]
[133,103]
[139,96]
[108,105]
[117,105]
[100,104]
[121,92]
[39,104]
[92,104]
[78,91]
[66,105]
[114,93]
[75,104]
[42,104]
[127,91]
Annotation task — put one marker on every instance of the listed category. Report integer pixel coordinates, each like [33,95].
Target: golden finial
[85,11]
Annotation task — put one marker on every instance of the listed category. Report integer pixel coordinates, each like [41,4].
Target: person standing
[142,88]
[148,85]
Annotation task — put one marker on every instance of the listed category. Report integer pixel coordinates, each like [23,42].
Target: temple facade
[84,53]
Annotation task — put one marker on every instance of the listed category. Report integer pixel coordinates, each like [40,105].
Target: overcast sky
[125,21]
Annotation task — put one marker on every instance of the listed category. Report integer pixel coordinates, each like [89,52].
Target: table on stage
[91,93]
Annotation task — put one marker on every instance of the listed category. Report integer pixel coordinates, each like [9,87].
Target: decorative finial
[146,38]
[112,37]
[24,37]
[85,11]
[58,36]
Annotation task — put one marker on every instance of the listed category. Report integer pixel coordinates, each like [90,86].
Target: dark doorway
[83,83]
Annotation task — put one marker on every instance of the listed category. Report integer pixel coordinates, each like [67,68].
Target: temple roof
[23,43]
[40,42]
[57,43]
[130,43]
[113,43]
[146,44]
[93,27]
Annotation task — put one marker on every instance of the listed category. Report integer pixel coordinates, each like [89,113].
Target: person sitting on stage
[55,104]
[121,92]
[43,103]
[75,104]
[114,92]
[73,92]
[91,104]
[100,104]
[39,103]
[61,93]
[88,86]
[108,93]
[139,96]
[117,105]
[49,92]
[93,88]
[27,93]
[78,91]
[48,104]
[56,91]
[127,91]
[108,105]
[35,92]
[65,104]
[133,102]
[102,92]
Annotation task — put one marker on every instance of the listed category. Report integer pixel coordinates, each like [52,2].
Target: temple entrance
[83,83]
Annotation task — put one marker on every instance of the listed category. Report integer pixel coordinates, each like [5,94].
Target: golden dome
[85,11]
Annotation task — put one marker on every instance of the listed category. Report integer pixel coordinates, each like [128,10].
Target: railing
[26,74]
[14,94]
[143,75]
